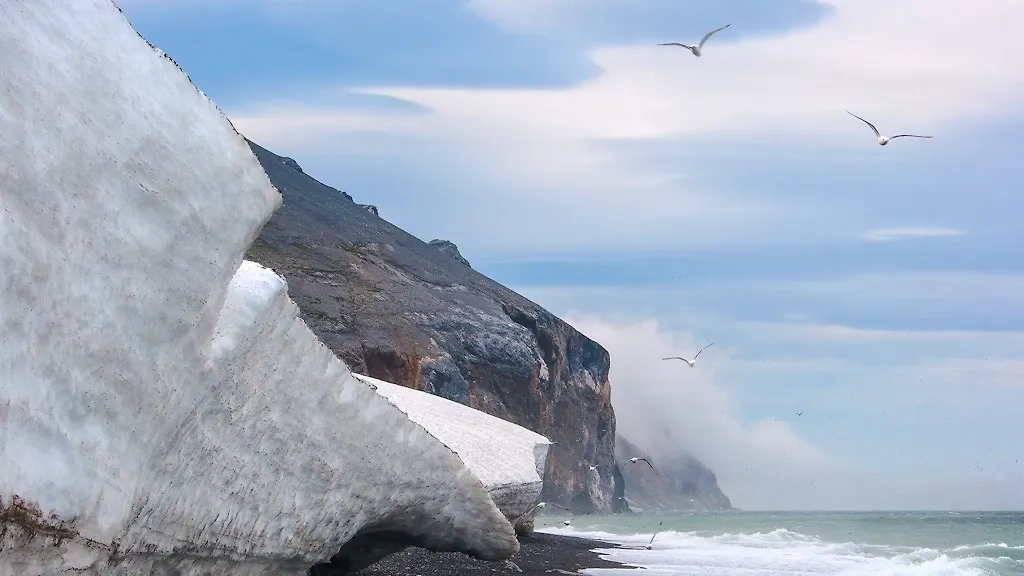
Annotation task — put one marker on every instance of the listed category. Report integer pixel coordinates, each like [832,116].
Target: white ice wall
[158,396]
[508,458]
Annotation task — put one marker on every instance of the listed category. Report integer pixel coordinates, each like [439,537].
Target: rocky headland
[416,313]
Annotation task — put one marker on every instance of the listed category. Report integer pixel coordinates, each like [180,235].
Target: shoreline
[540,554]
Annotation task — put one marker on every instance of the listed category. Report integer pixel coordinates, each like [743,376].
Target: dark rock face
[449,248]
[396,308]
[681,483]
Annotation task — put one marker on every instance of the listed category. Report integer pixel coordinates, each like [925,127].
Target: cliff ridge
[414,313]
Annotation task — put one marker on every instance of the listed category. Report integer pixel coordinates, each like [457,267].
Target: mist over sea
[809,543]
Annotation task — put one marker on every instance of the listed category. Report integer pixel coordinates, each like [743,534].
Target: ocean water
[808,543]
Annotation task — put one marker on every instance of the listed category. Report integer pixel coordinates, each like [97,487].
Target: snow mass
[162,406]
[507,458]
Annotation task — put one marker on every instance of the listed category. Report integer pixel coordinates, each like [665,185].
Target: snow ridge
[508,459]
[162,406]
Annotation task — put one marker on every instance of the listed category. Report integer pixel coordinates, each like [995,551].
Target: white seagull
[539,505]
[690,362]
[696,49]
[566,522]
[883,140]
[635,460]
[544,504]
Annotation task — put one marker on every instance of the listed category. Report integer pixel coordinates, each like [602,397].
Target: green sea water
[810,543]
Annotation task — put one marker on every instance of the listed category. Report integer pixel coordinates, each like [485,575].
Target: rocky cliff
[680,483]
[402,310]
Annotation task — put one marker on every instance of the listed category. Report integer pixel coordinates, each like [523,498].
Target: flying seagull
[596,466]
[538,506]
[566,522]
[544,504]
[690,362]
[635,460]
[696,49]
[883,140]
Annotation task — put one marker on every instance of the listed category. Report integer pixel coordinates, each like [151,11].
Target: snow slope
[507,458]
[162,407]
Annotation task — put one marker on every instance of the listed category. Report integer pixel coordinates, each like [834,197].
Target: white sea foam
[783,552]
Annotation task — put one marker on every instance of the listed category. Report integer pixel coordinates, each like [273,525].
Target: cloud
[632,158]
[877,56]
[829,308]
[973,373]
[523,16]
[910,232]
[732,189]
[905,418]
[926,433]
[609,22]
[668,408]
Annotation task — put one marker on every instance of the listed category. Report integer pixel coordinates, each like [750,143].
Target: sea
[806,543]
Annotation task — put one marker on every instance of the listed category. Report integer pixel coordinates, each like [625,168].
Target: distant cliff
[402,310]
[681,483]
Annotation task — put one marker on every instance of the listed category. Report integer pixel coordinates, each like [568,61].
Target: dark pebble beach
[539,555]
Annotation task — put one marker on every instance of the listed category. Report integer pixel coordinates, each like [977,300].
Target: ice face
[127,198]
[162,406]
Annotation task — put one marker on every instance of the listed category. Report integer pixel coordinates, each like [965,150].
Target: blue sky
[660,201]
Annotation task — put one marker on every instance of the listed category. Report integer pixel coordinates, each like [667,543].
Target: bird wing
[528,510]
[877,135]
[676,358]
[655,533]
[703,349]
[676,44]
[648,462]
[708,35]
[907,136]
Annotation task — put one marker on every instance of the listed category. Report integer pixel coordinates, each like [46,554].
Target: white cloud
[932,285]
[952,415]
[549,158]
[876,56]
[532,170]
[668,408]
[973,373]
[522,16]
[882,299]
[908,232]
[808,332]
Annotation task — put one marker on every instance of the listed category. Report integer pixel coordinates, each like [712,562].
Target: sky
[866,303]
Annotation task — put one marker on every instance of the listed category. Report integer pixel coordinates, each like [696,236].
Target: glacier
[163,408]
